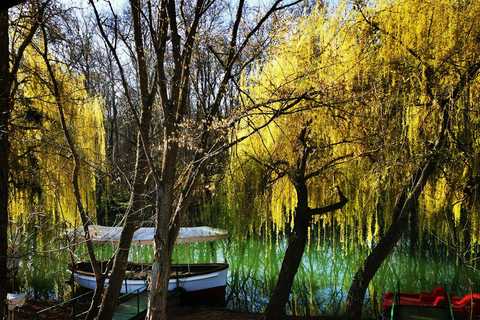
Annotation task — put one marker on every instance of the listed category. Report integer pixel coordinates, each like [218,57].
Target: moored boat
[199,279]
[205,280]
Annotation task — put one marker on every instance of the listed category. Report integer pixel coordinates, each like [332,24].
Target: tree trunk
[6,105]
[8,4]
[303,215]
[162,260]
[291,261]
[112,292]
[403,206]
[295,249]
[4,153]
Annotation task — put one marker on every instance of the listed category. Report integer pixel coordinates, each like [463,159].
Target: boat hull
[211,284]
[88,282]
[202,280]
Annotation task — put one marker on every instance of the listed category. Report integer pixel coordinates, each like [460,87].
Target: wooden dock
[132,308]
[136,306]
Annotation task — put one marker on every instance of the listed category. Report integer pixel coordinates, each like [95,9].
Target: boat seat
[432,296]
[439,302]
[466,306]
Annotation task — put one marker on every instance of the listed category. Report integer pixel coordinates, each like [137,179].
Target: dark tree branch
[328,165]
[340,204]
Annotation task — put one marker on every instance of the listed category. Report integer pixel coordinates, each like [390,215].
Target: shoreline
[176,312]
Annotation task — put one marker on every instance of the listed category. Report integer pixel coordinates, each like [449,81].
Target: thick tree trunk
[6,105]
[165,232]
[159,287]
[4,153]
[162,261]
[291,261]
[303,215]
[296,247]
[8,4]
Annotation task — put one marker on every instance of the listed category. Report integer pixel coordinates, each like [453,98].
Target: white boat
[198,280]
[15,300]
[204,280]
[135,280]
[143,236]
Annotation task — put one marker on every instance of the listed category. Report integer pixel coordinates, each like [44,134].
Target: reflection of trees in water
[325,274]
[320,286]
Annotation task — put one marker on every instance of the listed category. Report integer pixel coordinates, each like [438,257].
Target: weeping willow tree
[424,70]
[40,160]
[392,87]
[306,155]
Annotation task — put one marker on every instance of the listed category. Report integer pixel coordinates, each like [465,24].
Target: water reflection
[325,274]
[320,287]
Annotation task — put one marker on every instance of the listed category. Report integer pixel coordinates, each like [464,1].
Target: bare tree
[190,128]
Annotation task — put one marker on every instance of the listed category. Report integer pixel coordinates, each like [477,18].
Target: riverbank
[29,310]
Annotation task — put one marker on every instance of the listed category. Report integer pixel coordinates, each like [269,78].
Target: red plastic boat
[468,305]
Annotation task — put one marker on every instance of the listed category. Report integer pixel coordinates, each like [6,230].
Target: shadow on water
[320,287]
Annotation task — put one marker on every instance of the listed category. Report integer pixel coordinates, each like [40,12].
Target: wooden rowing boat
[199,279]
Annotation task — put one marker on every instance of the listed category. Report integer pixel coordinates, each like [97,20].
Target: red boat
[470,304]
[465,307]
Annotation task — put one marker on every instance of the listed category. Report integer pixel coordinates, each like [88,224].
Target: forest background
[263,120]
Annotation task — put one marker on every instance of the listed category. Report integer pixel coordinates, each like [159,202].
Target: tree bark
[295,249]
[7,71]
[161,268]
[403,206]
[136,203]
[8,4]
[291,261]
[4,153]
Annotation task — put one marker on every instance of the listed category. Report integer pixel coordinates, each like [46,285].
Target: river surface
[320,287]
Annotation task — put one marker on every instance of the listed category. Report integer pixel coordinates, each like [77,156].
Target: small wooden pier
[133,308]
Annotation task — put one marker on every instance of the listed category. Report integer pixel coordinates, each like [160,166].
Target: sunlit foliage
[372,76]
[41,162]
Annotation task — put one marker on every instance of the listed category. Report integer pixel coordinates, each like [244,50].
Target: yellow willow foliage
[42,163]
[299,63]
[380,71]
[421,50]
[303,61]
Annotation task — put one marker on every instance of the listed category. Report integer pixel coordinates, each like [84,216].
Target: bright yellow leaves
[376,76]
[41,160]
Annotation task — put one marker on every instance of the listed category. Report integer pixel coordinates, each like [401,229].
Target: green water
[320,287]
